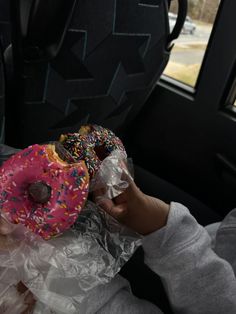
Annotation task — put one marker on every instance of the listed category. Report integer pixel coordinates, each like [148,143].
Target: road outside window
[188,52]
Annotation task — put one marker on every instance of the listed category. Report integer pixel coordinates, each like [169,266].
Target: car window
[189,50]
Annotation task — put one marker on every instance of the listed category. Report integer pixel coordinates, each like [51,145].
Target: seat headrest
[43,24]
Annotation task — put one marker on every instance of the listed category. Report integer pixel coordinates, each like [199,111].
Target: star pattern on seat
[110,52]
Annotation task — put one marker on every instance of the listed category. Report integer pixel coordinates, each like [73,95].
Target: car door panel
[182,132]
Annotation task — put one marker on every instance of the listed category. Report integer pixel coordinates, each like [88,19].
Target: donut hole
[40,192]
[101,152]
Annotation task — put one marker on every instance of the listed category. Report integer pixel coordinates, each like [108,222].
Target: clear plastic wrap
[114,175]
[58,275]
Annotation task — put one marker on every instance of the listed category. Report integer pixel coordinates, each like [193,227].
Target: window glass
[188,52]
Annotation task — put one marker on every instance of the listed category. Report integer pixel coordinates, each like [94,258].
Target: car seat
[78,62]
[5,39]
[2,98]
[5,33]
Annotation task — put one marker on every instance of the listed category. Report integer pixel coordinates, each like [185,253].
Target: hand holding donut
[138,211]
[46,194]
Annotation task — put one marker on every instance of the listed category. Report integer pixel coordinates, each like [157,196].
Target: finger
[29,298]
[105,203]
[30,304]
[124,166]
[109,207]
[118,211]
[98,193]
[128,195]
[121,198]
[126,176]
[5,227]
[135,190]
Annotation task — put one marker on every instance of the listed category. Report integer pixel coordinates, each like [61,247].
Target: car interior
[64,64]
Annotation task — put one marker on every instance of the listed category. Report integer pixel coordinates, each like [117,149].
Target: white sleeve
[195,278]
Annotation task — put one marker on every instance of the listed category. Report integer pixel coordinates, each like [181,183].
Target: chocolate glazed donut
[93,144]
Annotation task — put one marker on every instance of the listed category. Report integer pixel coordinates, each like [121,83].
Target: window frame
[230,98]
[170,82]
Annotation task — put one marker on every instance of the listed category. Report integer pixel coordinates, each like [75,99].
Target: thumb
[5,227]
[116,211]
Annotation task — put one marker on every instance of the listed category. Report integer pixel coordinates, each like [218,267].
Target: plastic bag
[114,175]
[59,274]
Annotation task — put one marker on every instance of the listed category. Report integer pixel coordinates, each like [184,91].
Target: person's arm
[116,298]
[195,278]
[178,249]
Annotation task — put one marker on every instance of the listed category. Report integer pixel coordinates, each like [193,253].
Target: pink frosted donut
[41,191]
[92,144]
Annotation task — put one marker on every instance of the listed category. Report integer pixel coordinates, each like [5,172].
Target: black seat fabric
[155,186]
[2,98]
[5,40]
[5,29]
[111,57]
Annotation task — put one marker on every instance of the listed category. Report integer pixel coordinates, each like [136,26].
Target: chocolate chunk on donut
[41,191]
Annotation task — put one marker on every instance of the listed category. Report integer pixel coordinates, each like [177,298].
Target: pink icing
[69,191]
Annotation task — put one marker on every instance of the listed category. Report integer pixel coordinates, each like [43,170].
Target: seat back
[5,35]
[5,41]
[2,98]
[106,62]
